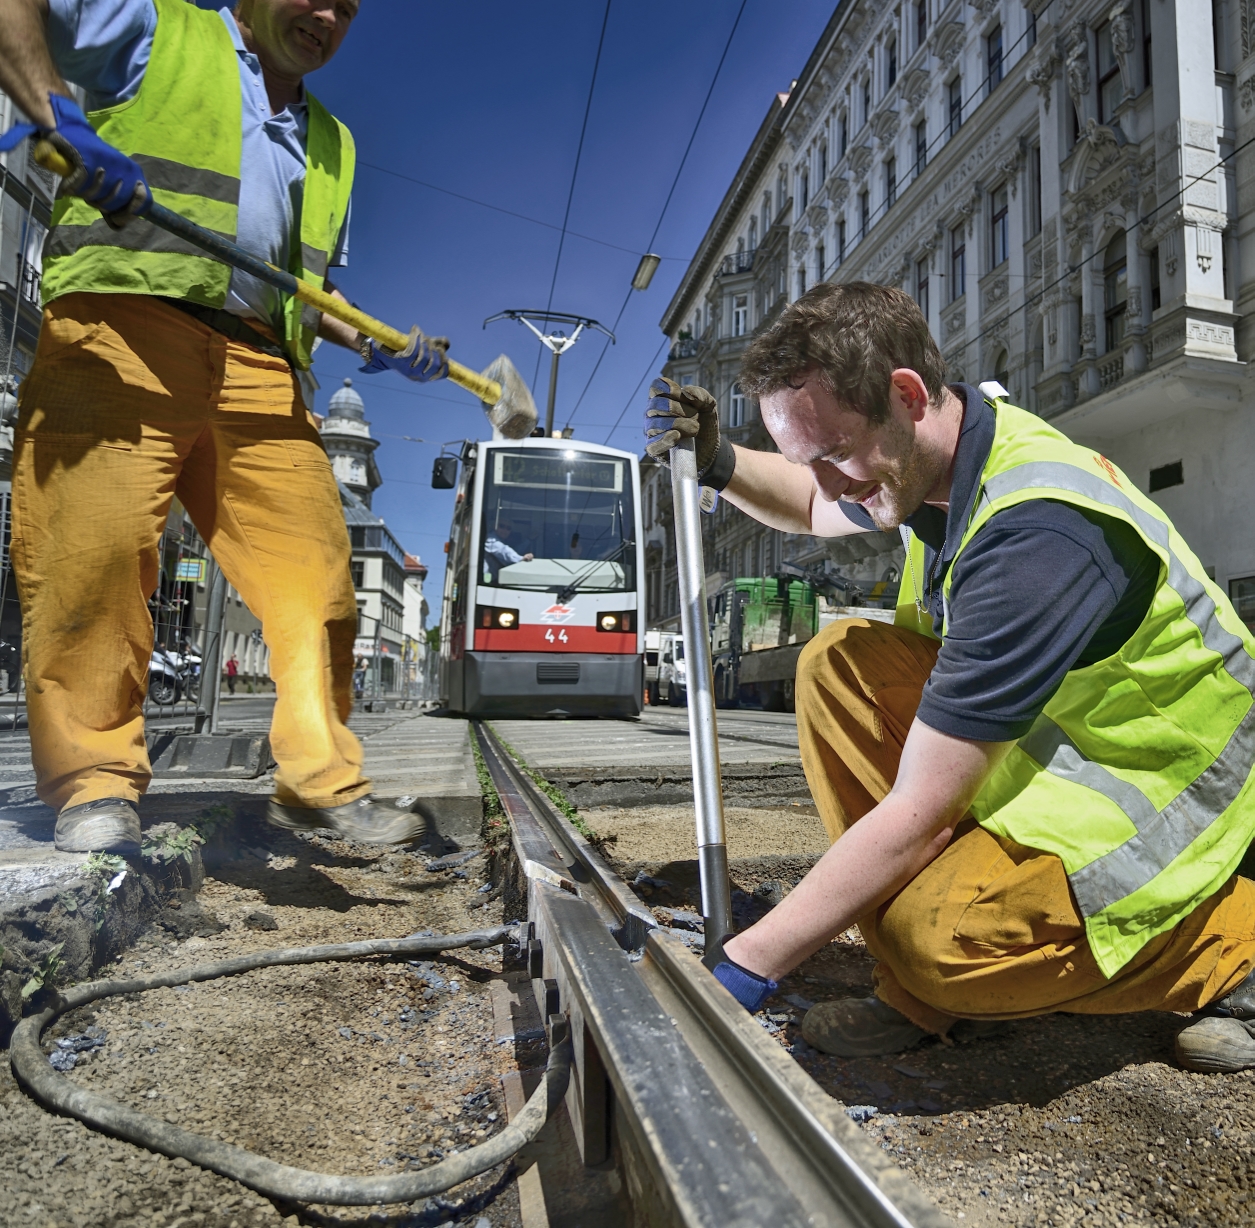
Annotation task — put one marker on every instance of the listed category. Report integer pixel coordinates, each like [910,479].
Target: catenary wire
[665,205]
[575,172]
[665,342]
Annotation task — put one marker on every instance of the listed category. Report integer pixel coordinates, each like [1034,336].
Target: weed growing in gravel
[106,870]
[46,973]
[169,845]
[496,828]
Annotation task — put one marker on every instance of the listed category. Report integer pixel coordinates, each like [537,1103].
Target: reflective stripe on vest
[1138,773]
[911,611]
[1163,835]
[184,127]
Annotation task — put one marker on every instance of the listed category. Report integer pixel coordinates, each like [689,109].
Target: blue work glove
[748,988]
[424,358]
[679,411]
[101,175]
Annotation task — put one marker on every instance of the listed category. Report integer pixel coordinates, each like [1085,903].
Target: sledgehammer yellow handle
[487,390]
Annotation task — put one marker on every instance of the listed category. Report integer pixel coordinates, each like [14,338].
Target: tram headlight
[494,618]
[616,620]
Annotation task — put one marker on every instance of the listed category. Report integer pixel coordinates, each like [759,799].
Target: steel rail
[715,1123]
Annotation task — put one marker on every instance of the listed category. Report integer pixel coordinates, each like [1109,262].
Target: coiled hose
[55,1091]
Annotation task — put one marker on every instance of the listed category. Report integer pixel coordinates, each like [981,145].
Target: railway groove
[710,1120]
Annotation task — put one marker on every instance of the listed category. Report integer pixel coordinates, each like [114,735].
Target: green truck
[759,626]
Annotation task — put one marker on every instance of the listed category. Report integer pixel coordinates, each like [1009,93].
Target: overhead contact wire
[665,205]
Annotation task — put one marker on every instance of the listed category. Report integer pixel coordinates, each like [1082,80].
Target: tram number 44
[555,639]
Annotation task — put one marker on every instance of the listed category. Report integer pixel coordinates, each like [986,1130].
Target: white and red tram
[541,613]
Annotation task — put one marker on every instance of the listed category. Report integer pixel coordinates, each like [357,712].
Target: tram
[541,611]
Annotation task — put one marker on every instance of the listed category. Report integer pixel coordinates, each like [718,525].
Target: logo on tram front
[557,614]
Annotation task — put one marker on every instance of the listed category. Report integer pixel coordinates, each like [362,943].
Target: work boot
[1222,1038]
[363,821]
[107,825]
[859,1027]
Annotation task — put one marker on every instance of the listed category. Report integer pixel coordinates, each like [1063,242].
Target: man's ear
[908,390]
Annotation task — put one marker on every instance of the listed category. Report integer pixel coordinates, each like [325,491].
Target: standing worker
[162,373]
[233,668]
[1039,781]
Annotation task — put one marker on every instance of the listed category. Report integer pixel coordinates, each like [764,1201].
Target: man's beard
[910,474]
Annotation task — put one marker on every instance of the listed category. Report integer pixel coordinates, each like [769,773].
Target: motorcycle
[165,685]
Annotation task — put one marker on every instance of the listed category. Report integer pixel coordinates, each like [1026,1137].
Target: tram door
[458,588]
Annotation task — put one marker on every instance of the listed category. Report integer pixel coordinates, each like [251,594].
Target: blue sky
[486,100]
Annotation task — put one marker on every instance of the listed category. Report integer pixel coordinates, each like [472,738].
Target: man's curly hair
[855,336]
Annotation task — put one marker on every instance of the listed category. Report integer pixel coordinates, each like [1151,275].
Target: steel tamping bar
[712,852]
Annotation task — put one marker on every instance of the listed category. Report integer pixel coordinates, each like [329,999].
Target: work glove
[424,358]
[678,412]
[748,988]
[101,175]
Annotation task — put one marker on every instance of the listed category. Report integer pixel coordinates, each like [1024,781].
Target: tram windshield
[558,520]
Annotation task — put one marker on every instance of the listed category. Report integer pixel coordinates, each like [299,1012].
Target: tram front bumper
[553,684]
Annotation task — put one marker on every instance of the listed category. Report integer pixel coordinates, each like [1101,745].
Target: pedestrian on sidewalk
[233,668]
[161,373]
[1038,781]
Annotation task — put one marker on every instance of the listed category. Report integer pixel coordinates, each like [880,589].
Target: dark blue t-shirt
[1043,588]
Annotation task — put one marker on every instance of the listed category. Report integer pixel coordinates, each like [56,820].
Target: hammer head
[515,414]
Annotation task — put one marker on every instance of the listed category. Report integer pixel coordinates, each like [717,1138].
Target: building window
[358,571]
[891,182]
[1030,32]
[805,190]
[999,231]
[1155,300]
[921,286]
[1146,60]
[740,314]
[1034,191]
[1242,594]
[820,262]
[864,216]
[1115,290]
[840,242]
[891,63]
[993,59]
[1001,374]
[867,99]
[1110,87]
[843,136]
[956,105]
[921,147]
[736,407]
[801,282]
[921,23]
[958,263]
[780,192]
[823,161]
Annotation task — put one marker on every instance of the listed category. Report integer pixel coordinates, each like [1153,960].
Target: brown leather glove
[678,412]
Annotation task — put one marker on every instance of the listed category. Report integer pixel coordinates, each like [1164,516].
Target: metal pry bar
[712,851]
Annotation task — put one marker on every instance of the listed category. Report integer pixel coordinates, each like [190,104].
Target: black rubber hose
[55,1091]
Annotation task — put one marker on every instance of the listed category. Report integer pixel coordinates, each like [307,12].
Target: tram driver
[498,552]
[1038,781]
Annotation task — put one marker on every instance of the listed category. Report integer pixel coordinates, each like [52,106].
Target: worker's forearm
[27,73]
[331,329]
[877,856]
[766,486]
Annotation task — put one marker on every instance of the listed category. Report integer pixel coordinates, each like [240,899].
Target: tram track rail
[710,1120]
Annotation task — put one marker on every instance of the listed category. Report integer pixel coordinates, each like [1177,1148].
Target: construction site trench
[378,1066]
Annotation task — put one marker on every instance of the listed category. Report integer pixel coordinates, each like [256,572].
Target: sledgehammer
[507,399]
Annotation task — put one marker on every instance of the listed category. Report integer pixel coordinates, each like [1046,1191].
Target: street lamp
[557,342]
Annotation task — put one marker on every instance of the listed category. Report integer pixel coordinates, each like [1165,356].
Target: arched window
[1115,289]
[1001,374]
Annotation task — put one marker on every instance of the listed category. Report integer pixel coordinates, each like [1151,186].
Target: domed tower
[349,443]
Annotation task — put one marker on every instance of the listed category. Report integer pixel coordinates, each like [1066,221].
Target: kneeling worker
[1038,782]
[160,372]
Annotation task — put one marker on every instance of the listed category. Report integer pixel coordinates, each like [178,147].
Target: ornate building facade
[1059,184]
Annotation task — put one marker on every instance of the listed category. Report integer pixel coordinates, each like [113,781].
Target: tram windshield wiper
[568,591]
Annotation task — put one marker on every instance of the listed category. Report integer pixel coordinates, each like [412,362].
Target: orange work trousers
[989,929]
[130,403]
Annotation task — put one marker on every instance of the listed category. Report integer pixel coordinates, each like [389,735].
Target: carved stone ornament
[1044,71]
[1087,328]
[1122,42]
[1247,15]
[947,41]
[800,240]
[817,216]
[860,158]
[1134,307]
[1077,61]
[933,241]
[838,190]
[986,6]
[1246,92]
[916,86]
[1009,167]
[885,126]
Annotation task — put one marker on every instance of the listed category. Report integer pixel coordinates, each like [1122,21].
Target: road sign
[190,569]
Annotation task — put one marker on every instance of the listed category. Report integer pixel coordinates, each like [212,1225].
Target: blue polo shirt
[1042,589]
[104,45]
